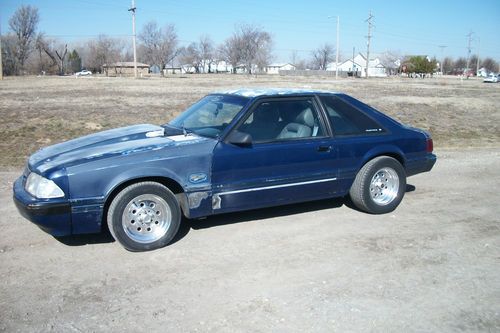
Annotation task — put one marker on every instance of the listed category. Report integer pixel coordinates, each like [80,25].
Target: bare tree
[490,65]
[206,51]
[473,62]
[249,45]
[322,56]
[191,56]
[158,45]
[232,51]
[101,51]
[256,46]
[300,64]
[9,51]
[219,56]
[391,60]
[24,23]
[55,50]
[447,65]
[459,65]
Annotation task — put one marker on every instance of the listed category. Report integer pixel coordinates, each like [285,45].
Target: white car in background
[83,73]
[492,78]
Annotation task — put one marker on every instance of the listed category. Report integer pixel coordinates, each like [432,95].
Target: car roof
[256,92]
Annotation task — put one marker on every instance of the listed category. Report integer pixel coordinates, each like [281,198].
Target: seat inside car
[302,126]
[264,125]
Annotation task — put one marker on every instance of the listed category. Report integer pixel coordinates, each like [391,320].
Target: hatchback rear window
[348,120]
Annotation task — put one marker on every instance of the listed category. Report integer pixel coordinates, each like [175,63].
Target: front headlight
[42,188]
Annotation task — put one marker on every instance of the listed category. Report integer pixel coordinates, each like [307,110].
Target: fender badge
[196,178]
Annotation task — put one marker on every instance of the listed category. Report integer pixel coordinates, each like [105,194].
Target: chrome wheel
[146,218]
[384,186]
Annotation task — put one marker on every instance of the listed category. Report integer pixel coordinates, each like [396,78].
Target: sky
[435,28]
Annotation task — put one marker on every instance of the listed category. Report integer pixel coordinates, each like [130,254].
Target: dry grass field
[38,111]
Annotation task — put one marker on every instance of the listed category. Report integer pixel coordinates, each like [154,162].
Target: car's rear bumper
[51,215]
[421,165]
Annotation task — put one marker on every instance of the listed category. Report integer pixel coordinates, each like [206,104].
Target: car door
[290,158]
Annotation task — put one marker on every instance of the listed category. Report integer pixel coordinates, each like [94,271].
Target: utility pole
[337,53]
[337,56]
[442,47]
[132,9]
[477,64]
[469,40]
[369,20]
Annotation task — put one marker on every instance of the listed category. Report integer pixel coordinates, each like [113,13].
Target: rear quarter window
[348,120]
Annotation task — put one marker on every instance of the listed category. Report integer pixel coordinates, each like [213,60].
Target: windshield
[210,115]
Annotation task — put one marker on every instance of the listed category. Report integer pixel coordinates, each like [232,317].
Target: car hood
[115,142]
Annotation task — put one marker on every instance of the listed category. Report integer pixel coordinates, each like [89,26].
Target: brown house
[125,68]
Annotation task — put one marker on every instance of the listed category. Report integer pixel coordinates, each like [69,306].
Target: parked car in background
[492,78]
[230,151]
[83,73]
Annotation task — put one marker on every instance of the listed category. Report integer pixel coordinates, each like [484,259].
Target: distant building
[213,66]
[125,68]
[154,69]
[358,65]
[218,66]
[172,70]
[482,72]
[275,68]
[348,66]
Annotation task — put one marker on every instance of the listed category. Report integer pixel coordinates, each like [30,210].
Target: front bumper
[51,215]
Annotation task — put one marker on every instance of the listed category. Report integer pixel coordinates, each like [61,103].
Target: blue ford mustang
[230,151]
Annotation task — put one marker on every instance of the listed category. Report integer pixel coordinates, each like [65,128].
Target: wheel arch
[389,150]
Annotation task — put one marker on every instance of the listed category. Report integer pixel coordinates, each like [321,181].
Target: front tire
[379,186]
[144,216]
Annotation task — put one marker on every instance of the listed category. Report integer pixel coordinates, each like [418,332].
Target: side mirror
[239,139]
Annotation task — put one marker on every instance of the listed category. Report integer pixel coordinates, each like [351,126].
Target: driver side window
[283,120]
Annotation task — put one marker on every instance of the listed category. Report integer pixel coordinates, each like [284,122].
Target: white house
[346,66]
[358,64]
[221,67]
[482,72]
[275,68]
[216,66]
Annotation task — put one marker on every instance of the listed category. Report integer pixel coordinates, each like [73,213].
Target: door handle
[324,149]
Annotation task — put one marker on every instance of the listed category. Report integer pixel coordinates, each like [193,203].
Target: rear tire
[379,186]
[144,216]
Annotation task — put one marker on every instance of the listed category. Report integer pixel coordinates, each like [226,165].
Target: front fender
[138,173]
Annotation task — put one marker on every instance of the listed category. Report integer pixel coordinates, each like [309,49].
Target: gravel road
[433,265]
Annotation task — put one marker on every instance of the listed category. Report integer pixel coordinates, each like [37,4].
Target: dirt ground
[433,265]
[430,266]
